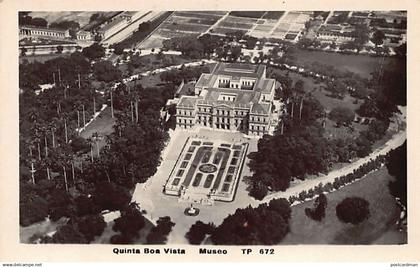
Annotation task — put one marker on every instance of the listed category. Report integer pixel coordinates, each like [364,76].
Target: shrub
[328,187]
[302,195]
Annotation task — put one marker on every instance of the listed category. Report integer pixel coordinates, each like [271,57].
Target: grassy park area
[151,62]
[359,64]
[317,90]
[383,209]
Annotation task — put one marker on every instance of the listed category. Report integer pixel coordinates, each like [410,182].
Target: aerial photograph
[213,127]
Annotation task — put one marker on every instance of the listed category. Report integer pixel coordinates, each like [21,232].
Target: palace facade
[234,97]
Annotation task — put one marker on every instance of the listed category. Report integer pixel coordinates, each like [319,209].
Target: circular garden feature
[208,168]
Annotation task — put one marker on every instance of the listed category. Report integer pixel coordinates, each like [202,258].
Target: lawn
[316,89]
[152,61]
[359,64]
[379,228]
[150,81]
[103,125]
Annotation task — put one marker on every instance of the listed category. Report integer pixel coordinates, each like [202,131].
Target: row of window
[202,109]
[257,128]
[47,33]
[208,110]
[184,112]
[258,119]
[185,121]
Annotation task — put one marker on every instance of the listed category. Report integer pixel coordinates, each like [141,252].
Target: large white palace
[234,97]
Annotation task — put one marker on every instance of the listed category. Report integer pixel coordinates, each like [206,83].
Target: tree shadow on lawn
[364,233]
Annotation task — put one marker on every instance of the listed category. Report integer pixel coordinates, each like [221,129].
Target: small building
[83,36]
[336,34]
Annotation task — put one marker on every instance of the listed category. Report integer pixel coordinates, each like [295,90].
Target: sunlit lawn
[383,209]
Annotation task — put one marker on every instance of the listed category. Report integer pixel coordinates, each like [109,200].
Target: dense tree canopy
[300,151]
[159,233]
[378,37]
[264,225]
[342,115]
[397,167]
[198,232]
[25,19]
[94,52]
[353,210]
[130,222]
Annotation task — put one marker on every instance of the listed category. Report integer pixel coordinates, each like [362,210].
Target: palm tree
[64,159]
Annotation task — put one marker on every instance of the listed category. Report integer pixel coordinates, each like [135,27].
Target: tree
[66,25]
[198,232]
[130,222]
[353,210]
[300,150]
[341,116]
[317,213]
[159,233]
[397,166]
[23,51]
[111,196]
[94,52]
[251,42]
[67,234]
[60,49]
[361,35]
[90,226]
[32,207]
[118,49]
[337,88]
[258,190]
[144,26]
[264,225]
[378,37]
[86,206]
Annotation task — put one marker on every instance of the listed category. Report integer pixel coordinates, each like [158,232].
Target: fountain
[191,211]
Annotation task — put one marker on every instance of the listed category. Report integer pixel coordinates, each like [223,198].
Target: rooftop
[42,28]
[112,24]
[239,69]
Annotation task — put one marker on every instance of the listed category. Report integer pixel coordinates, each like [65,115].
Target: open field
[328,102]
[316,90]
[181,23]
[383,208]
[254,23]
[359,64]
